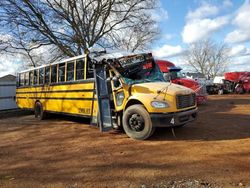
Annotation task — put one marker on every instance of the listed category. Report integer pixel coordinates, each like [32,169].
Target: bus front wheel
[39,113]
[137,123]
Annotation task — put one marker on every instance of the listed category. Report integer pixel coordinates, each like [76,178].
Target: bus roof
[54,63]
[112,55]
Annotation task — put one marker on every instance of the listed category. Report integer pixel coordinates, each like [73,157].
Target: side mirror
[115,78]
[108,79]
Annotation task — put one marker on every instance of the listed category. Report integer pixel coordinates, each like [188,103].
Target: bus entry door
[102,94]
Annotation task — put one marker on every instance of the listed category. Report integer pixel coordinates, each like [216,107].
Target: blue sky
[182,22]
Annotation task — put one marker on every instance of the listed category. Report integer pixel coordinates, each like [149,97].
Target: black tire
[39,113]
[137,123]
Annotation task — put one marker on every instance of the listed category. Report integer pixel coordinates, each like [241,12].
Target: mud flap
[102,94]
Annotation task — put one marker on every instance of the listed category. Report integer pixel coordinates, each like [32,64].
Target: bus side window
[53,73]
[79,70]
[70,71]
[35,77]
[31,78]
[41,76]
[26,80]
[61,72]
[90,70]
[47,74]
[21,83]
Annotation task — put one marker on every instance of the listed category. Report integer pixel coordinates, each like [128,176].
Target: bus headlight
[119,98]
[158,104]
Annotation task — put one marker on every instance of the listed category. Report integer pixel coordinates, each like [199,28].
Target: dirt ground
[63,151]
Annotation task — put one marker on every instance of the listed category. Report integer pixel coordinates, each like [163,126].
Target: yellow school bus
[116,90]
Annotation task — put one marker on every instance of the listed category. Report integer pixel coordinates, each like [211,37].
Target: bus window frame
[26,80]
[35,72]
[58,68]
[65,72]
[70,62]
[88,66]
[31,80]
[83,73]
[56,72]
[22,79]
[45,75]
[75,70]
[43,81]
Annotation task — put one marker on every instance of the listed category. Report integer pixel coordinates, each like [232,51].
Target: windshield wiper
[163,90]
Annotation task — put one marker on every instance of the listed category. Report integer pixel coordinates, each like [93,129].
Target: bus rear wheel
[39,113]
[137,123]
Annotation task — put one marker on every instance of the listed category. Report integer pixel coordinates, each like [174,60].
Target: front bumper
[173,119]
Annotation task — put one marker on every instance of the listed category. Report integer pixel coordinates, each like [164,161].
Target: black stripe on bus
[56,91]
[58,98]
[63,113]
[59,83]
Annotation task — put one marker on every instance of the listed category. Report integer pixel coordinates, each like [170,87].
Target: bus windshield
[139,69]
[173,75]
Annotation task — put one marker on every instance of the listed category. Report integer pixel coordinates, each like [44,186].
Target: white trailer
[7,92]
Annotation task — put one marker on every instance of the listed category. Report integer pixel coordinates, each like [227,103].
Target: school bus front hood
[160,88]
[161,92]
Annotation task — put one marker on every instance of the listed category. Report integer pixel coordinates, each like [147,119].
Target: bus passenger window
[53,73]
[90,70]
[31,78]
[79,69]
[35,77]
[47,74]
[26,80]
[21,82]
[70,71]
[61,72]
[41,76]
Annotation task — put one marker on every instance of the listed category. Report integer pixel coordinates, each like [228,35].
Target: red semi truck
[232,82]
[241,81]
[174,74]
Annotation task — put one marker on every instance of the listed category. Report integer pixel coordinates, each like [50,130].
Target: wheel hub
[136,122]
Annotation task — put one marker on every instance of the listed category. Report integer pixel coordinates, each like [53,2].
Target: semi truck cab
[174,74]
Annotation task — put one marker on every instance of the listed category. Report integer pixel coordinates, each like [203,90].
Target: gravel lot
[63,151]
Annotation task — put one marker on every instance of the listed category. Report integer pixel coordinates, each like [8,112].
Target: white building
[7,92]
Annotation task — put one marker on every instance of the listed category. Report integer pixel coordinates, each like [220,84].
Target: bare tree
[69,27]
[207,57]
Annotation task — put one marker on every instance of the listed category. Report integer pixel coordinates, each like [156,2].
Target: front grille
[185,101]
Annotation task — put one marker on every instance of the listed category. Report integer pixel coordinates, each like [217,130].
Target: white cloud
[198,29]
[242,23]
[239,50]
[237,36]
[167,36]
[160,14]
[9,65]
[203,11]
[167,51]
[240,58]
[242,18]
[240,63]
[202,22]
